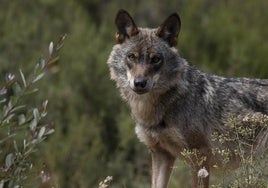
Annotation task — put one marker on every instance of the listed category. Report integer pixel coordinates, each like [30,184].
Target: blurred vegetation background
[94,134]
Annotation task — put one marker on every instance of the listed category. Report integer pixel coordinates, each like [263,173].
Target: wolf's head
[145,60]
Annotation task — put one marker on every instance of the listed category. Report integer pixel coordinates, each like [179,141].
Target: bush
[23,127]
[247,136]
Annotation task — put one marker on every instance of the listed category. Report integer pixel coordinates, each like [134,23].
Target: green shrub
[247,136]
[22,126]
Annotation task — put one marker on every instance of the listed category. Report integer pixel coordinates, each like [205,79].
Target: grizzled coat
[175,105]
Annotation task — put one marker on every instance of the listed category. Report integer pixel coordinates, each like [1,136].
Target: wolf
[176,106]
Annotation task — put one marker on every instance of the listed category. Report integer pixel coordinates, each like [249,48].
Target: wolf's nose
[140,82]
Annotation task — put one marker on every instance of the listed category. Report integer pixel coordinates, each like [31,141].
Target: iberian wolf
[176,106]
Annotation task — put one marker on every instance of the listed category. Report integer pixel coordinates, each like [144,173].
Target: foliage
[23,127]
[241,145]
[105,183]
[246,136]
[94,134]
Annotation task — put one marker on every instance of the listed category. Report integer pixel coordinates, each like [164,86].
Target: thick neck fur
[146,109]
[149,109]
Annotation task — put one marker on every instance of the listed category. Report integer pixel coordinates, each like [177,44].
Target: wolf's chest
[168,139]
[146,113]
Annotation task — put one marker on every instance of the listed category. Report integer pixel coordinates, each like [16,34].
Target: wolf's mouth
[140,91]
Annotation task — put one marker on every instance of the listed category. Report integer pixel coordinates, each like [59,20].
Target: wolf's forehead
[146,39]
[147,31]
[147,35]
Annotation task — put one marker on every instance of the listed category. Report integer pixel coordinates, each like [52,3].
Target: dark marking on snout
[140,82]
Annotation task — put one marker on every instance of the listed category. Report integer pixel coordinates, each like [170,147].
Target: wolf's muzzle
[140,85]
[140,82]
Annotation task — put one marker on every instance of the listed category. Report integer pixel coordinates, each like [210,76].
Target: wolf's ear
[125,26]
[170,29]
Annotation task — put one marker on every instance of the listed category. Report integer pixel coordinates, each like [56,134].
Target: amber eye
[155,59]
[131,57]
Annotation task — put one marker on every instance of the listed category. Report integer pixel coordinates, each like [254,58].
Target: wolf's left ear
[125,26]
[169,30]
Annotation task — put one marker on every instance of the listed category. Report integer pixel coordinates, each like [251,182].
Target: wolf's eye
[155,59]
[131,57]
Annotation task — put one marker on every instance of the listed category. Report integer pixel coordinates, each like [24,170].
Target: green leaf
[37,66]
[21,119]
[24,144]
[9,117]
[36,114]
[2,183]
[33,124]
[41,132]
[10,83]
[15,146]
[50,131]
[14,100]
[34,141]
[44,105]
[9,160]
[18,108]
[31,91]
[4,110]
[42,63]
[16,88]
[23,78]
[39,77]
[3,100]
[3,91]
[53,60]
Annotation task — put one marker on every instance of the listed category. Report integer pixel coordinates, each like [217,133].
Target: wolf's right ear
[170,29]
[125,26]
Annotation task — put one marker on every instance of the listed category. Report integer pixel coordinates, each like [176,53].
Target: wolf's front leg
[162,165]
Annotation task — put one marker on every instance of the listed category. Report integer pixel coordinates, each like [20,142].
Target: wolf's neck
[145,109]
[149,109]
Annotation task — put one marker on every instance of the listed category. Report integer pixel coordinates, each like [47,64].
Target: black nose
[140,82]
